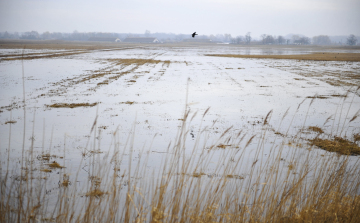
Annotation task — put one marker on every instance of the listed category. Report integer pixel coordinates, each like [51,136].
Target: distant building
[197,40]
[141,40]
[104,39]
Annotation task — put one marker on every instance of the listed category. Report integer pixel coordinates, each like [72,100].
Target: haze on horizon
[236,17]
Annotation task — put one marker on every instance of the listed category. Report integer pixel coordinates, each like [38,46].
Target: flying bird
[193,35]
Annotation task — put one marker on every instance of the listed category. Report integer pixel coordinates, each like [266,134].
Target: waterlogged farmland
[127,117]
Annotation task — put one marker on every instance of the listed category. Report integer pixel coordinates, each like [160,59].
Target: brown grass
[66,181]
[356,137]
[55,165]
[270,190]
[316,129]
[95,193]
[235,176]
[313,56]
[72,105]
[222,146]
[198,174]
[338,145]
[318,97]
[137,61]
[45,157]
[10,122]
[128,102]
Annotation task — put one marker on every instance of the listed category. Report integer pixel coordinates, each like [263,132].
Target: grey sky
[237,17]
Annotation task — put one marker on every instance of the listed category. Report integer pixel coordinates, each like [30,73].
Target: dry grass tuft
[198,174]
[66,181]
[291,166]
[318,96]
[235,176]
[72,105]
[356,137]
[10,122]
[339,95]
[45,157]
[338,145]
[128,102]
[316,129]
[95,193]
[222,146]
[96,151]
[55,165]
[137,61]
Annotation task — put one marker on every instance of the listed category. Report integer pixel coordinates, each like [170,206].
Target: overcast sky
[237,17]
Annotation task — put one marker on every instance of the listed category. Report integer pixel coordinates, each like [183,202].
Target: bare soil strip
[32,56]
[37,54]
[60,45]
[43,56]
[314,56]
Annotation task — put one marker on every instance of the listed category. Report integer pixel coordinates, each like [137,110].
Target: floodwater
[147,101]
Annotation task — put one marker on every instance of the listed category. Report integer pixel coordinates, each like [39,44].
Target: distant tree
[220,37]
[46,35]
[263,36]
[248,38]
[6,35]
[321,40]
[302,40]
[16,35]
[280,40]
[269,39]
[227,37]
[212,37]
[147,33]
[57,35]
[30,35]
[239,39]
[351,40]
[305,40]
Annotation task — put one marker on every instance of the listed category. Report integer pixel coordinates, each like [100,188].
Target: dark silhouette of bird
[193,35]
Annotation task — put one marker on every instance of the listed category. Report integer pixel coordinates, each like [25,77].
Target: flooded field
[72,115]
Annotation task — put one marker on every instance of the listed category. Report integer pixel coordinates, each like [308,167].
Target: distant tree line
[351,40]
[265,39]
